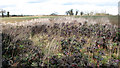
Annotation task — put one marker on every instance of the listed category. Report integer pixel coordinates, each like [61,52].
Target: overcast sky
[41,7]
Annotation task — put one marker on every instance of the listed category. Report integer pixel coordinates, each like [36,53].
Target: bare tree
[71,12]
[81,13]
[2,11]
[91,13]
[76,12]
[8,14]
[67,12]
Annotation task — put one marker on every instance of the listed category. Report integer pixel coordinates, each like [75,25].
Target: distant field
[113,19]
[16,19]
[19,19]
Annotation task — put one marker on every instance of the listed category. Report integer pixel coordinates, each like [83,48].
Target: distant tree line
[70,12]
[5,13]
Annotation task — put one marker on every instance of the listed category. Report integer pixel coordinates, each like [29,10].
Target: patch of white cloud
[40,7]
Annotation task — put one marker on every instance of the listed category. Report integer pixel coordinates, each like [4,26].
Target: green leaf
[21,46]
[114,44]
[34,64]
